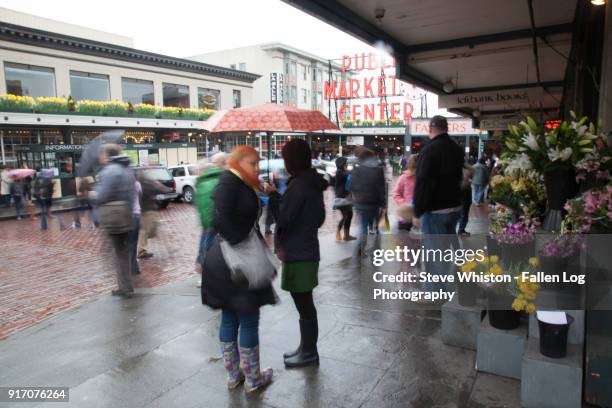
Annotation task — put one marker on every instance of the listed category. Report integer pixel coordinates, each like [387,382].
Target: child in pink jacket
[403,193]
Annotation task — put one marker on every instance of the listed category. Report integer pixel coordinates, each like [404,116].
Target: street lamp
[598,2]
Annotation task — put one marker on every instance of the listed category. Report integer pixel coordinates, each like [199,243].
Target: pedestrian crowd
[433,196]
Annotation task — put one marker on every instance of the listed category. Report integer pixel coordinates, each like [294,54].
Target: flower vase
[553,338]
[512,254]
[500,312]
[560,186]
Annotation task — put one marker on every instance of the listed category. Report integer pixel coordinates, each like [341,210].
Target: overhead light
[379,14]
[448,86]
[476,113]
[598,2]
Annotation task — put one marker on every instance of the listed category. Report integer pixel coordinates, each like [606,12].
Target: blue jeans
[367,216]
[134,245]
[18,200]
[478,192]
[43,213]
[248,324]
[439,233]
[206,240]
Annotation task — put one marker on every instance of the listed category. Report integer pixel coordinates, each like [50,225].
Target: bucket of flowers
[517,241]
[559,255]
[554,154]
[16,103]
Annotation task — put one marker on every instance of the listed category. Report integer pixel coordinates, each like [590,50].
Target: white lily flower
[519,163]
[531,142]
[562,155]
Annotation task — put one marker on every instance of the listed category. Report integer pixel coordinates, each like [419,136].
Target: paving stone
[494,391]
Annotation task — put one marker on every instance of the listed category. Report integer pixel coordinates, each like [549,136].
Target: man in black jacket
[437,192]
[369,192]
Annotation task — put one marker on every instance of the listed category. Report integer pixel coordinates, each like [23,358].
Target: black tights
[347,217]
[305,305]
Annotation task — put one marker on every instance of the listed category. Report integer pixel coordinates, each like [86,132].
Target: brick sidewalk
[45,272]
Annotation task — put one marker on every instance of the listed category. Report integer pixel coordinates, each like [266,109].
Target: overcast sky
[182,28]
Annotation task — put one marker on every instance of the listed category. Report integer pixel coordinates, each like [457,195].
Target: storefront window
[176,95]
[208,98]
[29,80]
[237,98]
[88,86]
[137,91]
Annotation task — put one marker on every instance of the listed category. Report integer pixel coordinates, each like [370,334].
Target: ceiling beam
[549,84]
[490,38]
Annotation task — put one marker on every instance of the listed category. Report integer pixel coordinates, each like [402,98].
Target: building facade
[59,91]
[288,76]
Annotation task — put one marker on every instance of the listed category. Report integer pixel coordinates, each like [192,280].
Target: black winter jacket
[299,213]
[438,177]
[368,185]
[236,211]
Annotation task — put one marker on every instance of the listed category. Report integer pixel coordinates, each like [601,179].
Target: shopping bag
[250,261]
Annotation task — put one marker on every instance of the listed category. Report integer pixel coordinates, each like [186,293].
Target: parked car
[161,174]
[185,176]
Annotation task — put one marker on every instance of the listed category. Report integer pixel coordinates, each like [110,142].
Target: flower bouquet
[523,290]
[521,191]
[590,213]
[556,256]
[517,241]
[595,169]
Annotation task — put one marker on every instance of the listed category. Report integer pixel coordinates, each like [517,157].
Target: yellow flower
[535,262]
[468,267]
[518,304]
[494,259]
[529,295]
[496,270]
[530,308]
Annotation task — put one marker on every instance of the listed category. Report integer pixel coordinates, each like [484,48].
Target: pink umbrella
[22,173]
[268,117]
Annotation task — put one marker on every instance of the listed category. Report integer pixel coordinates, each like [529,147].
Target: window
[137,91]
[176,95]
[304,95]
[319,99]
[28,80]
[237,98]
[242,66]
[85,85]
[319,75]
[178,172]
[293,92]
[291,68]
[303,71]
[208,98]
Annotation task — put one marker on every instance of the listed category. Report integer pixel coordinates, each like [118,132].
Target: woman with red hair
[236,212]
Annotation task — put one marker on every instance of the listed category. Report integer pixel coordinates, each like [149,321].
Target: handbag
[116,217]
[250,261]
[342,202]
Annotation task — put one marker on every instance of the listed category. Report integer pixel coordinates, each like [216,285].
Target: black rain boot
[308,354]
[294,352]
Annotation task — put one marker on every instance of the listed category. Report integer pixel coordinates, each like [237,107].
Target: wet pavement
[160,348]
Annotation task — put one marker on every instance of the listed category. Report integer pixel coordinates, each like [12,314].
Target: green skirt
[300,276]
